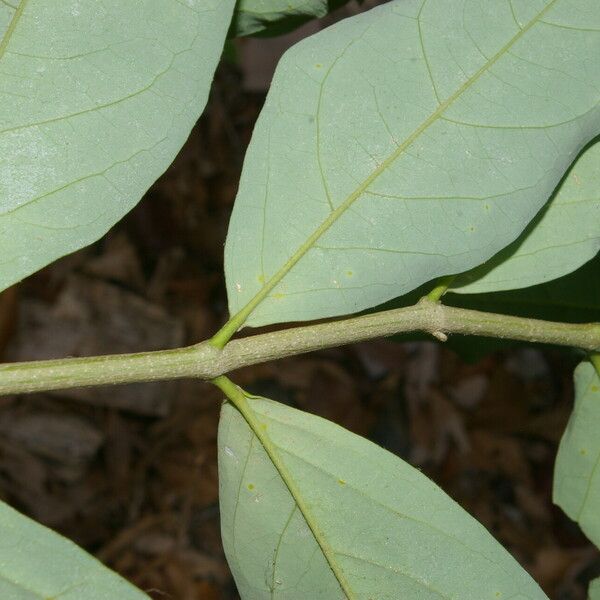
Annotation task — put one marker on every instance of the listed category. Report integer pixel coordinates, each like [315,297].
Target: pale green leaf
[574,298]
[378,527]
[277,16]
[96,98]
[577,469]
[38,564]
[562,237]
[410,142]
[594,593]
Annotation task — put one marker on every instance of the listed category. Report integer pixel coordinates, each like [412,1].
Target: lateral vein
[11,27]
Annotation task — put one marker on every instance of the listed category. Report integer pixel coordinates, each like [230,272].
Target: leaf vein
[16,18]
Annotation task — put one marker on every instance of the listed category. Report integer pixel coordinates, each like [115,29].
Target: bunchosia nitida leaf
[38,564]
[274,17]
[577,471]
[96,99]
[563,236]
[410,142]
[327,514]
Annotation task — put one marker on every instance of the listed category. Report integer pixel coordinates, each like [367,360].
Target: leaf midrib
[12,26]
[258,422]
[240,401]
[241,316]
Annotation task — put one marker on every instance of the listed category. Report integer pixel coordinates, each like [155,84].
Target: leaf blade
[96,99]
[572,298]
[561,238]
[28,573]
[278,16]
[576,486]
[391,531]
[371,203]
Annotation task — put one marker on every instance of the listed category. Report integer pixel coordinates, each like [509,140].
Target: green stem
[204,361]
[239,399]
[435,295]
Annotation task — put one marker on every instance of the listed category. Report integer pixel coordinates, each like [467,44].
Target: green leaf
[274,17]
[38,564]
[562,237]
[573,298]
[96,99]
[410,142]
[594,593]
[577,470]
[310,510]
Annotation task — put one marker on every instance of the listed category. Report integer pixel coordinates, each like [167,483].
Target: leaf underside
[277,16]
[96,99]
[381,526]
[38,564]
[577,469]
[563,236]
[574,298]
[410,142]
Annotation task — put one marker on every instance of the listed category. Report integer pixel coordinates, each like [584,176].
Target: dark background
[130,473]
